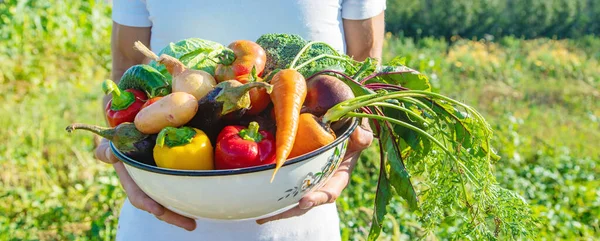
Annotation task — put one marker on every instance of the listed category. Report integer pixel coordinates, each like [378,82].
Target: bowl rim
[177,172]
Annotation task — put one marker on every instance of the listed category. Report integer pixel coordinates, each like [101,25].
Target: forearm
[122,52]
[364,38]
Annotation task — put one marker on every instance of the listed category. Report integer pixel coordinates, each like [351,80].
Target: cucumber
[145,78]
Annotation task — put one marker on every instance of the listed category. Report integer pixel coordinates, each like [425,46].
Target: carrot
[289,92]
[312,134]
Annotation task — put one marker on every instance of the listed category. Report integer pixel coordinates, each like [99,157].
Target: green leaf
[461,128]
[398,60]
[382,198]
[348,66]
[315,67]
[366,68]
[403,76]
[188,46]
[398,175]
[414,140]
[202,59]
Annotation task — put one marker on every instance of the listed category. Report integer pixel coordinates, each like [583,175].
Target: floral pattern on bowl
[312,180]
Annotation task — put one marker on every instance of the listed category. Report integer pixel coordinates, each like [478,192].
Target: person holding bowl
[354,27]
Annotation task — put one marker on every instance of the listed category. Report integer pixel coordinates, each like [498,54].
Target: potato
[195,82]
[175,110]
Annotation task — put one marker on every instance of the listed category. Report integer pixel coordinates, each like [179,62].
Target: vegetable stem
[339,110]
[120,99]
[422,132]
[226,57]
[419,104]
[401,108]
[320,57]
[251,133]
[375,74]
[334,72]
[139,46]
[345,109]
[173,65]
[236,97]
[385,86]
[173,137]
[365,65]
[488,128]
[107,133]
[301,52]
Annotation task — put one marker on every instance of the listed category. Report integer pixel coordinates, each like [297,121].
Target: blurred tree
[481,18]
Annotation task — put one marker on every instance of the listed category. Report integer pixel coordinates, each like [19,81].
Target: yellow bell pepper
[184,148]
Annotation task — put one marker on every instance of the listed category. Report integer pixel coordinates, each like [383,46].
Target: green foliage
[544,111]
[545,124]
[447,146]
[479,18]
[66,33]
[54,57]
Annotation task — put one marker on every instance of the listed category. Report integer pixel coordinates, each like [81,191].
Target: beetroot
[323,92]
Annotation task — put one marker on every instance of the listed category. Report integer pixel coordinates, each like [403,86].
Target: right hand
[136,196]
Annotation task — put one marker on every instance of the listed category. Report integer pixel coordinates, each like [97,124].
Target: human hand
[360,139]
[136,196]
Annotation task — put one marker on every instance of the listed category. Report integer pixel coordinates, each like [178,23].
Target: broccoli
[281,49]
[324,63]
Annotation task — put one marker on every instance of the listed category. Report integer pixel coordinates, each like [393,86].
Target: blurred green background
[531,67]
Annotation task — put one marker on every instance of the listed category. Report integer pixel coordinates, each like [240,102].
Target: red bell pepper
[239,147]
[124,105]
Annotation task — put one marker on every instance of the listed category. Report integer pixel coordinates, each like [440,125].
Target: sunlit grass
[546,122]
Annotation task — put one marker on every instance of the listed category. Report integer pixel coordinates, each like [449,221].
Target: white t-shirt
[224,22]
[227,21]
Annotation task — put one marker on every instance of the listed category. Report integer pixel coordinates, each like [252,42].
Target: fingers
[361,138]
[177,220]
[136,196]
[140,200]
[294,212]
[103,153]
[327,194]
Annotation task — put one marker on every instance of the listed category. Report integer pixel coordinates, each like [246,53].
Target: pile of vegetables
[200,106]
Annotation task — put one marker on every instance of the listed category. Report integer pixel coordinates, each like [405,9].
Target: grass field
[541,96]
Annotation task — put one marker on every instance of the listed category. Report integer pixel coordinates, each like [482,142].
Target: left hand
[361,138]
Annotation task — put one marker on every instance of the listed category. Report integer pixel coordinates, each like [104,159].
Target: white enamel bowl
[239,194]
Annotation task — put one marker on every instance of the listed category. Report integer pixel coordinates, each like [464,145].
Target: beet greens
[443,142]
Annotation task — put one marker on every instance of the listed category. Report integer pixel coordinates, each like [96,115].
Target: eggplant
[265,120]
[227,102]
[126,138]
[144,152]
